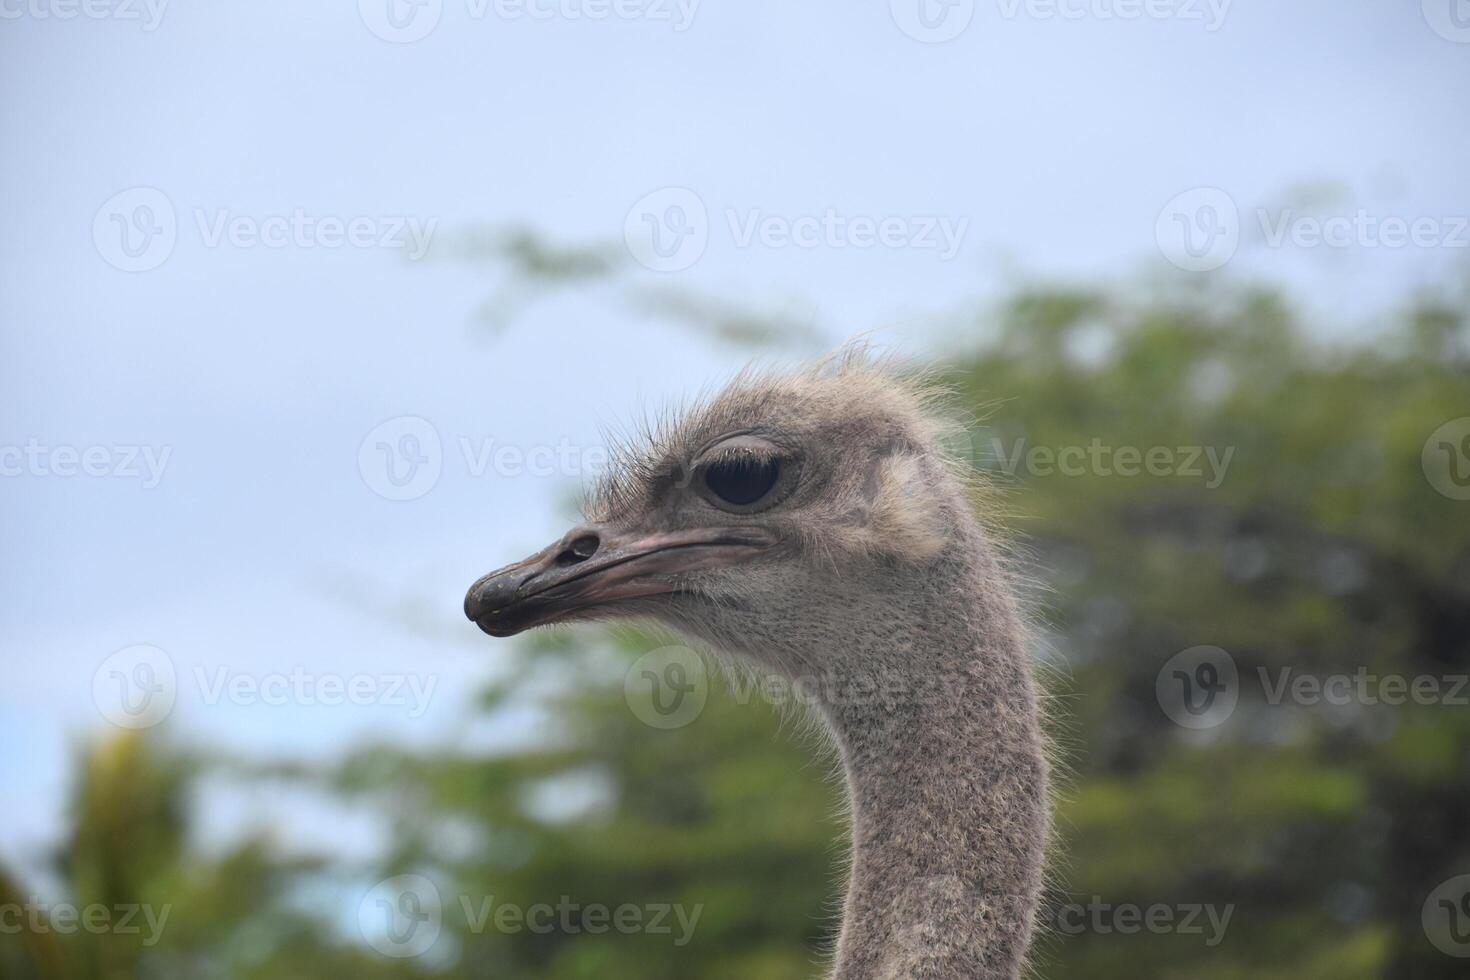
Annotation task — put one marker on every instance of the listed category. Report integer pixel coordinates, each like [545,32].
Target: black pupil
[742,480]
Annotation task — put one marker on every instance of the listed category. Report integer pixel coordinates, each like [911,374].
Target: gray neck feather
[948,780]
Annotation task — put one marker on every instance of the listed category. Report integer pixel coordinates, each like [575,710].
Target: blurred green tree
[1181,470]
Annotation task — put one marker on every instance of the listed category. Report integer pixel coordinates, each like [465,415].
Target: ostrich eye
[745,473]
[742,480]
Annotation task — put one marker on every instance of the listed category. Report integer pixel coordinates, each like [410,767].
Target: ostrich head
[810,524]
[788,519]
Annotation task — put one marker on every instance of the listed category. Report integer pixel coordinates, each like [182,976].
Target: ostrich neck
[948,786]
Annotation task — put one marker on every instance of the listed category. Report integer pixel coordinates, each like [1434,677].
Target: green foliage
[1322,550]
[1317,544]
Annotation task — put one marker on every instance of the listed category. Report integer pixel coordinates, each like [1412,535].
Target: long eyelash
[740,454]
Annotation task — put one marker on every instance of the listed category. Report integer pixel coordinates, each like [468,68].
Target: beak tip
[491,594]
[486,599]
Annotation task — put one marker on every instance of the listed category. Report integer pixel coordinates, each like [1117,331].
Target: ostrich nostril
[579,549]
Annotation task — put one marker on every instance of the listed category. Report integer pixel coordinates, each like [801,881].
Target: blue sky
[1047,145]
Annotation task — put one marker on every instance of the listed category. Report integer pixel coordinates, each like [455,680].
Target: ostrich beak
[591,567]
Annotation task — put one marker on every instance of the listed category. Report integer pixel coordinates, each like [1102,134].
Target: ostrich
[808,523]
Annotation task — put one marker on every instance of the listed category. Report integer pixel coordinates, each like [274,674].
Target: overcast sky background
[1053,143]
